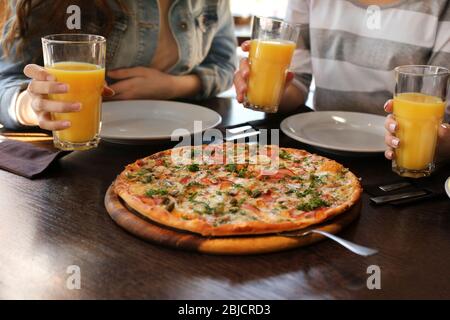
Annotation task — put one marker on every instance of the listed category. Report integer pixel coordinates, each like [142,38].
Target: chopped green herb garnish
[206,208]
[313,204]
[241,173]
[307,192]
[231,167]
[142,172]
[156,192]
[285,155]
[146,179]
[130,176]
[194,167]
[316,180]
[192,196]
[194,184]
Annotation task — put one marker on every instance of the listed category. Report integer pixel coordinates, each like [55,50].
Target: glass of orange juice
[419,107]
[77,60]
[272,47]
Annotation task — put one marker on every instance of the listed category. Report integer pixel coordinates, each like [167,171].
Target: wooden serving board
[145,229]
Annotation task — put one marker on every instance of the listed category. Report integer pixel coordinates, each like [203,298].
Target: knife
[400,196]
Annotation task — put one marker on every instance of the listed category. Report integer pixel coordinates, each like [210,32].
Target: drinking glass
[272,47]
[77,60]
[419,107]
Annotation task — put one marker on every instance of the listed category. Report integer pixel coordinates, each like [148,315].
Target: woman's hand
[42,84]
[143,83]
[443,147]
[242,74]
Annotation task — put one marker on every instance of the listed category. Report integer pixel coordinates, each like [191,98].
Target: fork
[353,247]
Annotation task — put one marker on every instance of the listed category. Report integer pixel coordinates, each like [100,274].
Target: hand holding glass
[419,106]
[272,47]
[77,60]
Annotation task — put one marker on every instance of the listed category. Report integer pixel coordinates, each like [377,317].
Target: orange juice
[419,117]
[86,83]
[269,62]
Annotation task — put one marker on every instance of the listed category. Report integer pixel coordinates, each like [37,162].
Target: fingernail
[390,154]
[50,78]
[63,87]
[386,105]
[112,93]
[66,124]
[446,126]
[395,142]
[76,106]
[392,127]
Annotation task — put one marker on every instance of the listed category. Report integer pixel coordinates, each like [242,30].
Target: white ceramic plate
[338,131]
[447,187]
[139,121]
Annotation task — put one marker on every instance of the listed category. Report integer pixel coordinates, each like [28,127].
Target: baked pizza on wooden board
[237,189]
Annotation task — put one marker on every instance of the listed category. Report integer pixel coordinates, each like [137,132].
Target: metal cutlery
[400,196]
[395,186]
[242,136]
[239,129]
[238,133]
[353,247]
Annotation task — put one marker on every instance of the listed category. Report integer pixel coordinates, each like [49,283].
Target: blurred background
[243,10]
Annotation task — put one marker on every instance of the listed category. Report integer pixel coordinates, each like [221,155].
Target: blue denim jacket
[203,30]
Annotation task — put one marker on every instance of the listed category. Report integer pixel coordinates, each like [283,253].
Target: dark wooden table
[59,220]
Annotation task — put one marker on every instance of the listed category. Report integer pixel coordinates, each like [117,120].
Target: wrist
[185,86]
[171,87]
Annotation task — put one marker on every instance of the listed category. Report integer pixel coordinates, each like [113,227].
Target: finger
[108,92]
[123,96]
[47,87]
[42,105]
[123,86]
[389,106]
[392,141]
[127,73]
[244,68]
[45,122]
[444,131]
[389,154]
[245,46]
[390,124]
[241,87]
[36,72]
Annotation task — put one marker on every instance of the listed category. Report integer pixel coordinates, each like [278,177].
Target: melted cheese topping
[264,186]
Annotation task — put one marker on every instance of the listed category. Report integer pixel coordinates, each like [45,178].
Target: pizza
[237,189]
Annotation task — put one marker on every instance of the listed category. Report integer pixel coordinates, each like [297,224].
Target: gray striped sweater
[352,49]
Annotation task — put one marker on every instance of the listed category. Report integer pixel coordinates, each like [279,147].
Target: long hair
[29,20]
